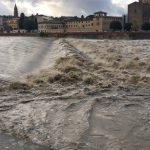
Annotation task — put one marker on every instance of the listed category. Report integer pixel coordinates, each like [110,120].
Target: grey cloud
[77,7]
[90,6]
[4,10]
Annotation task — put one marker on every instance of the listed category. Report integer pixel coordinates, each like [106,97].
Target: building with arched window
[98,22]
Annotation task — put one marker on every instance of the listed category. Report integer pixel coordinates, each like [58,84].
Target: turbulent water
[22,55]
[10,143]
[78,95]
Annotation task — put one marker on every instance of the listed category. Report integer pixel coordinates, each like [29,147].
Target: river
[10,143]
[96,97]
[22,55]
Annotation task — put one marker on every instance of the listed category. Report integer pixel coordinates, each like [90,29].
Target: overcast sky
[64,7]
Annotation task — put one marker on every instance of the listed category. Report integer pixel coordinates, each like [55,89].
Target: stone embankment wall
[18,34]
[106,35]
[91,35]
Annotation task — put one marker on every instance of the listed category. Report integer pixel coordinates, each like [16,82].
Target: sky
[65,7]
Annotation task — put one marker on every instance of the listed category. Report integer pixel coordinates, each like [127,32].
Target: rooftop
[100,12]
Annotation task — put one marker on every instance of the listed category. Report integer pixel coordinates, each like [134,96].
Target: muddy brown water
[115,121]
[8,142]
[121,125]
[18,57]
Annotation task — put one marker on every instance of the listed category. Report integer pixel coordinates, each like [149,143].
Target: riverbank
[96,94]
[19,34]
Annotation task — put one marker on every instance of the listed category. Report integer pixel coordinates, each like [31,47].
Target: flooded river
[94,97]
[10,143]
[22,55]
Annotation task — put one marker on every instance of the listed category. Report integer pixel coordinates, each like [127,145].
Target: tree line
[28,23]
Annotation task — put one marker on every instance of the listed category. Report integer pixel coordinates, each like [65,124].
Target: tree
[128,27]
[34,19]
[36,23]
[82,17]
[135,26]
[116,26]
[146,26]
[29,25]
[21,20]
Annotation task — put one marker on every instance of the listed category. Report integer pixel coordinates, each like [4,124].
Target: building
[43,27]
[145,1]
[139,13]
[15,11]
[1,24]
[42,18]
[125,20]
[9,23]
[22,31]
[102,22]
[13,23]
[99,22]
[1,21]
[79,25]
[54,26]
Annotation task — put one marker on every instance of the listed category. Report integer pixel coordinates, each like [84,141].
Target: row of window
[12,22]
[45,31]
[61,26]
[42,26]
[70,26]
[86,25]
[51,26]
[108,18]
[112,19]
[77,22]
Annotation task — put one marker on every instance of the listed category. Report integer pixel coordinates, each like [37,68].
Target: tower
[15,11]
[139,13]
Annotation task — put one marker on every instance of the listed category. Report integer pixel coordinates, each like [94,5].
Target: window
[135,10]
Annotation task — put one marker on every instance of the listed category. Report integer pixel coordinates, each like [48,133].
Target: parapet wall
[90,35]
[105,35]
[18,34]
